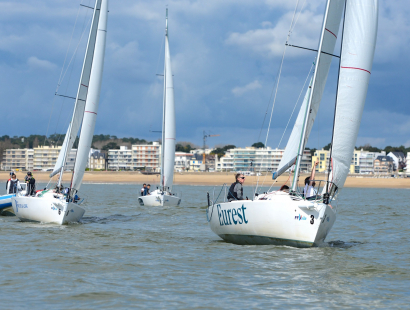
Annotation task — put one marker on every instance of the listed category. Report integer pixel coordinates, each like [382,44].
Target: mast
[163,106]
[302,138]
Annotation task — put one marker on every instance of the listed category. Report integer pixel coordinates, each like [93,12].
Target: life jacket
[231,193]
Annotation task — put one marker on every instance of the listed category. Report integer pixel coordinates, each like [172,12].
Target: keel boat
[62,205]
[163,196]
[289,217]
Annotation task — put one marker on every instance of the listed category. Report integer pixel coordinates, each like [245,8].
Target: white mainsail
[82,92]
[359,41]
[93,97]
[168,137]
[331,29]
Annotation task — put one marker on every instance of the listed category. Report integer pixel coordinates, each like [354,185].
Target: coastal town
[251,160]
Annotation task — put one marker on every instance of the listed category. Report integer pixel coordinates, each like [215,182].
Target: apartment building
[146,156]
[120,159]
[383,165]
[41,158]
[18,159]
[45,158]
[257,159]
[182,161]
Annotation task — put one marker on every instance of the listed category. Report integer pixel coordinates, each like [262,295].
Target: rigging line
[290,31]
[300,94]
[75,51]
[300,12]
[337,90]
[276,92]
[68,82]
[61,73]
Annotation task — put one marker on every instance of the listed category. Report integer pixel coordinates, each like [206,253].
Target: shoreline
[206,178]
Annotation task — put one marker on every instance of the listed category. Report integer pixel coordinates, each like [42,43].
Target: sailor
[309,190]
[31,184]
[236,189]
[13,184]
[146,193]
[144,186]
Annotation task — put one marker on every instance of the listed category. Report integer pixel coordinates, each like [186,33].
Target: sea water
[122,255]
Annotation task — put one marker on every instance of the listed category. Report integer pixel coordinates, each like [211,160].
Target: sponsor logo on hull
[21,206]
[234,216]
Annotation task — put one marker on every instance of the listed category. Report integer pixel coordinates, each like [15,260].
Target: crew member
[147,190]
[309,190]
[31,184]
[13,185]
[236,189]
[144,186]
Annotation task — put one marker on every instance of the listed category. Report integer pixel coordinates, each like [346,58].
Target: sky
[225,59]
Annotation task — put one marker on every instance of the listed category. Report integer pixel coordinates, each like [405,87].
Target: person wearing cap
[13,184]
[31,184]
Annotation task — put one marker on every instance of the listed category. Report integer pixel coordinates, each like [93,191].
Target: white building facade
[257,159]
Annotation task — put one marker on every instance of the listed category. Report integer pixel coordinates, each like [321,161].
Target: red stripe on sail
[84,85]
[331,32]
[90,112]
[356,69]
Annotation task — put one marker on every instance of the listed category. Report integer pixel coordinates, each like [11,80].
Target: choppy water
[122,256]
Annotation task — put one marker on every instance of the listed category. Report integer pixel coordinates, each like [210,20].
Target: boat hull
[159,199]
[5,201]
[279,221]
[46,210]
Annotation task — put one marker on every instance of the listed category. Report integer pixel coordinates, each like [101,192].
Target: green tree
[258,145]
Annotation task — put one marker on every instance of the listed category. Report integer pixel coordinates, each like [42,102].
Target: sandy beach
[201,178]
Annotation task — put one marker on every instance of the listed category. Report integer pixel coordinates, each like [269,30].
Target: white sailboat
[288,218]
[163,196]
[53,205]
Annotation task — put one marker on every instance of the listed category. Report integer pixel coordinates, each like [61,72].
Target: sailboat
[60,205]
[163,196]
[288,217]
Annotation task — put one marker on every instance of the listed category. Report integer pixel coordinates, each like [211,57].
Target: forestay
[331,29]
[93,98]
[359,41]
[82,92]
[168,141]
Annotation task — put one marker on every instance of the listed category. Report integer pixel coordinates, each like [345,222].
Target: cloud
[239,91]
[269,41]
[36,63]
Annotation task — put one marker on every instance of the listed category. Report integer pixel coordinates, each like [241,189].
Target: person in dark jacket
[236,189]
[13,185]
[31,184]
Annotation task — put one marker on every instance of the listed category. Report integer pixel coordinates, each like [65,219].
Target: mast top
[166,22]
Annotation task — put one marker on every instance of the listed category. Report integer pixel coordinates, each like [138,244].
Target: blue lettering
[219,215]
[225,217]
[240,221]
[229,216]
[243,212]
[233,214]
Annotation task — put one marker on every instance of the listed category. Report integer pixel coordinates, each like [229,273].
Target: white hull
[47,209]
[159,199]
[279,221]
